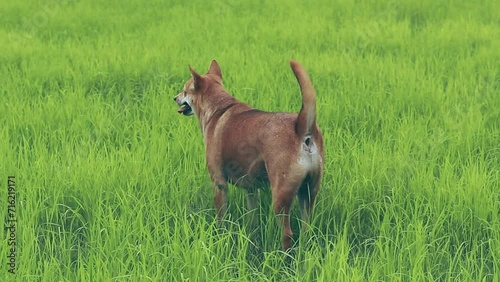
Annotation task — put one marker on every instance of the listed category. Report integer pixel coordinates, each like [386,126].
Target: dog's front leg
[220,200]
[252,204]
[219,183]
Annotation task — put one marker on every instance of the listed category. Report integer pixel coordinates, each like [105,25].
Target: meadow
[111,182]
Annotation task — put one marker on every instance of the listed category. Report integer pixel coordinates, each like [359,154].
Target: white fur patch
[309,157]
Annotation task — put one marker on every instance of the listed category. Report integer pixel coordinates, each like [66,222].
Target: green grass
[112,183]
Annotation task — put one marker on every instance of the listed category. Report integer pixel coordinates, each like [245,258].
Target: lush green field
[112,185]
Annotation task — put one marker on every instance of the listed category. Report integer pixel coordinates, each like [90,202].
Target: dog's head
[196,87]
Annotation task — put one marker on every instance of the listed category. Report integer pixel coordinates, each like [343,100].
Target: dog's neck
[213,108]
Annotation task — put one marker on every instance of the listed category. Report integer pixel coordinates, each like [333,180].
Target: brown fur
[251,148]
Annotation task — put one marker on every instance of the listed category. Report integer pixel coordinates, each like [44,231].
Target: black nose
[174,99]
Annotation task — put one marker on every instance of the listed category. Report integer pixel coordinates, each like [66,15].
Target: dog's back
[254,142]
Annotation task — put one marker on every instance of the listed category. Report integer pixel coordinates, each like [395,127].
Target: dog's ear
[215,69]
[198,80]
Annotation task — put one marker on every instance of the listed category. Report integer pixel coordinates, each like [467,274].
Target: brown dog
[250,148]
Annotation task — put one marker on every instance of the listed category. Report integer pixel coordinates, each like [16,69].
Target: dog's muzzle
[185,108]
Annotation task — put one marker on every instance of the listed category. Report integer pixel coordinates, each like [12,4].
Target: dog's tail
[306,122]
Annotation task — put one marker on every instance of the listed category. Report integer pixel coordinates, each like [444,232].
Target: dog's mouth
[185,109]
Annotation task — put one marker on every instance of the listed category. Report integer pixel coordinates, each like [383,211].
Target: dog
[251,148]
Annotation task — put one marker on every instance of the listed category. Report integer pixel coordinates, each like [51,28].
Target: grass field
[111,181]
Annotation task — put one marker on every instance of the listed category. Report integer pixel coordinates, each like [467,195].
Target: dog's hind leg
[283,196]
[306,196]
[282,208]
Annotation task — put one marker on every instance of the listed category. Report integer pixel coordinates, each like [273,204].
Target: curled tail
[306,121]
